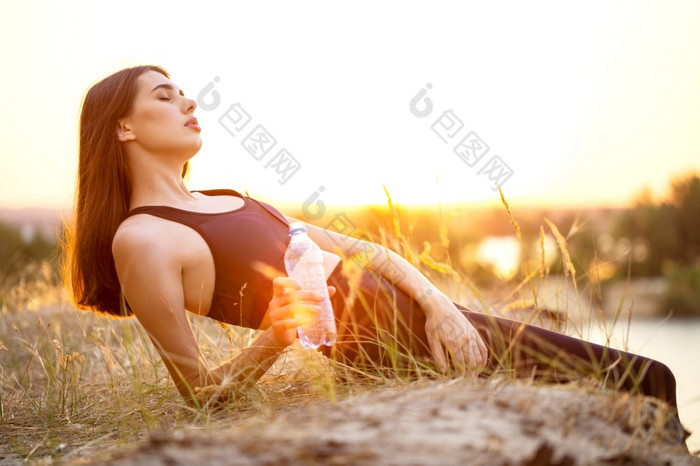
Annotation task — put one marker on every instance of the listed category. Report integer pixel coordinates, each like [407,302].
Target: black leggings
[369,327]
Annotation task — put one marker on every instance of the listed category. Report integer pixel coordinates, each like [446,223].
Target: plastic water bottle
[304,263]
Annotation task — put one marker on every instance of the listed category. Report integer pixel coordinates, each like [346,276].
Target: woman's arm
[446,327]
[150,272]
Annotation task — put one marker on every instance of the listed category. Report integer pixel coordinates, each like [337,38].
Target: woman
[144,244]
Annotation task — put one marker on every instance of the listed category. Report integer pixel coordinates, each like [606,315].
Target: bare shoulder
[145,236]
[148,262]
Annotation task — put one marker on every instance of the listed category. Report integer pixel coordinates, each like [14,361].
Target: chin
[185,153]
[194,149]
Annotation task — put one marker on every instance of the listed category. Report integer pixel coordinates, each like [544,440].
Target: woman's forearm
[246,368]
[381,260]
[401,273]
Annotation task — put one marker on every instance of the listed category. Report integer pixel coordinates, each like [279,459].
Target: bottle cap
[296,227]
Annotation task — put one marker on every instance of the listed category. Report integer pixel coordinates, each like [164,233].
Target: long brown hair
[102,193]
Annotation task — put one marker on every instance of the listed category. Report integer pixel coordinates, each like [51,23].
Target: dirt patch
[456,422]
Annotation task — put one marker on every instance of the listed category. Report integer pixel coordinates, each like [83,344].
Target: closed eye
[169,87]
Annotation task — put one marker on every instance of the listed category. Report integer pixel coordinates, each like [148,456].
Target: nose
[190,105]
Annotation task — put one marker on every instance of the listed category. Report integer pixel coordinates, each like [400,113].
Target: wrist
[275,341]
[433,300]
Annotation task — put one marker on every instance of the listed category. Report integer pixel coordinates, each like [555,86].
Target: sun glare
[501,253]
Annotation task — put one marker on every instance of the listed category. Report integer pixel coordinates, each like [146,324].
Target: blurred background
[586,115]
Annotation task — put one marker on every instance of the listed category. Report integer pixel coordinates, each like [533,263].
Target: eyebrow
[167,86]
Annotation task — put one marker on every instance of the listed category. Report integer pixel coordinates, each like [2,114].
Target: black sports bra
[256,232]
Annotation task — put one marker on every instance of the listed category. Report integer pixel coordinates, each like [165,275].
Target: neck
[155,182]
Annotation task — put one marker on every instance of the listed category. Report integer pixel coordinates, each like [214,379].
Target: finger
[460,355]
[477,347]
[331,291]
[305,296]
[286,324]
[281,312]
[438,354]
[467,351]
[481,349]
[291,296]
[457,343]
[468,354]
[294,308]
[281,285]
[314,296]
[280,315]
[304,313]
[475,359]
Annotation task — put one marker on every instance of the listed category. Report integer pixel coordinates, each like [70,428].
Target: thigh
[378,323]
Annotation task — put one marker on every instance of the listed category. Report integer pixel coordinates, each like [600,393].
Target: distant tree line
[671,229]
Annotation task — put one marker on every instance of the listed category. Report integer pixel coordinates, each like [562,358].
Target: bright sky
[584,104]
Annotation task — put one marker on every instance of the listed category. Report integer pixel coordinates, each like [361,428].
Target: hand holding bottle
[289,306]
[304,263]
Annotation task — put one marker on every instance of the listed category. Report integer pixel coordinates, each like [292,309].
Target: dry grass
[74,383]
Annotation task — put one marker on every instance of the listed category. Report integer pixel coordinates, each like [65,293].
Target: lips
[193,123]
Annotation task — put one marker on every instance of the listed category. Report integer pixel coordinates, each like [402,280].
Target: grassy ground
[78,387]
[74,384]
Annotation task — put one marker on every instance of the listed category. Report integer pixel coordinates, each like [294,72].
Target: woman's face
[161,121]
